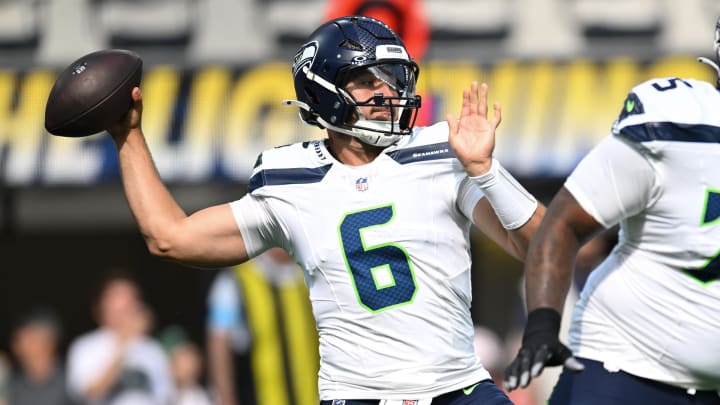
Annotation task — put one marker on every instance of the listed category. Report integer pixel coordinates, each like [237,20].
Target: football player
[377,214]
[646,329]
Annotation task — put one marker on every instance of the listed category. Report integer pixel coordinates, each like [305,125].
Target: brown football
[93,93]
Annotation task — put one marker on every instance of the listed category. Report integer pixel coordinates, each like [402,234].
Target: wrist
[480,168]
[542,322]
[119,133]
[512,204]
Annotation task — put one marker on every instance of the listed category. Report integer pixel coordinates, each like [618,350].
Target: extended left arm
[509,214]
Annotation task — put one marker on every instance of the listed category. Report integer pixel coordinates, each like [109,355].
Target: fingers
[518,373]
[482,107]
[136,94]
[530,363]
[573,364]
[474,100]
[538,362]
[466,109]
[452,123]
[497,114]
[511,375]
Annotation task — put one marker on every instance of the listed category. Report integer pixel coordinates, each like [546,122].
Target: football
[92,93]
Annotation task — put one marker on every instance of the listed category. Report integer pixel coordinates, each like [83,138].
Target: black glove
[540,347]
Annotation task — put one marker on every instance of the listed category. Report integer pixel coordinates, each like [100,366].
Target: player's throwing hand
[472,136]
[132,119]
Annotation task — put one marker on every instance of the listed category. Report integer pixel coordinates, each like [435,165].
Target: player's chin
[382,116]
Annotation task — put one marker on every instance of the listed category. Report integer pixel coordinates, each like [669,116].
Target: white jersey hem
[328,395]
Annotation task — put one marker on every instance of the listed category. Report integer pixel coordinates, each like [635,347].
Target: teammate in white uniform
[378,215]
[647,325]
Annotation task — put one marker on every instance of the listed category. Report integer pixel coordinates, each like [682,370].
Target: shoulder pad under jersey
[670,109]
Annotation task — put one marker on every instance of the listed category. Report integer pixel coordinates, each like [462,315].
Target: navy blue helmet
[716,49]
[336,52]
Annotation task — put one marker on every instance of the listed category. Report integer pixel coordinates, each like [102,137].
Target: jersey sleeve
[260,229]
[469,194]
[613,182]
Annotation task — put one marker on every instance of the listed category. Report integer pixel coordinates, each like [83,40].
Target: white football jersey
[652,308]
[386,252]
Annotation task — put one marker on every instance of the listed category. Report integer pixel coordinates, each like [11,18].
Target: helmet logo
[305,56]
[359,59]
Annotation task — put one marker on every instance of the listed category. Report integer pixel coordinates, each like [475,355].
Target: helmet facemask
[402,106]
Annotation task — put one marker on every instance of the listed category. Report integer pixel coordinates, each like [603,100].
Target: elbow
[161,246]
[158,250]
[173,247]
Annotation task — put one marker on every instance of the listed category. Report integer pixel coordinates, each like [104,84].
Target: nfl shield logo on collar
[410,402]
[338,402]
[361,184]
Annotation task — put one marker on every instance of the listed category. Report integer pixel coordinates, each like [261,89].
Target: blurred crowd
[261,345]
[120,362]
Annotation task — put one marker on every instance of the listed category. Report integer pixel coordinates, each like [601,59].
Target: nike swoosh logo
[470,389]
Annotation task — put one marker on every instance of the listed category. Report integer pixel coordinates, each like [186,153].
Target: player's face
[366,86]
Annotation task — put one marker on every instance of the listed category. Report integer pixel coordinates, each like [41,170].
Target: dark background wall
[62,270]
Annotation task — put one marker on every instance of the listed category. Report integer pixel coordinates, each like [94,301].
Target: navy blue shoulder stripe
[278,177]
[422,153]
[673,132]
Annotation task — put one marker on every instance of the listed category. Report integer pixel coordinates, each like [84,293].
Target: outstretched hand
[540,348]
[472,136]
[132,119]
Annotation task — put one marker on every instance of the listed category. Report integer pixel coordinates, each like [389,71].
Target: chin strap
[370,137]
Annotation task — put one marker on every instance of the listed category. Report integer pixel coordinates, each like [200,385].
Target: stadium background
[215,72]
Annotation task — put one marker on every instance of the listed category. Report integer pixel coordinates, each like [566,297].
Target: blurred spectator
[409,20]
[489,348]
[493,353]
[39,378]
[186,364]
[4,378]
[261,336]
[118,363]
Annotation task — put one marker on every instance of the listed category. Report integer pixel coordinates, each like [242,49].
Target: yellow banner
[212,122]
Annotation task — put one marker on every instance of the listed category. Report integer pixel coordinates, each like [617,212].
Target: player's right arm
[207,238]
[611,183]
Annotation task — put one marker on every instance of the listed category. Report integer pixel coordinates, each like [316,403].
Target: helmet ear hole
[310,95]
